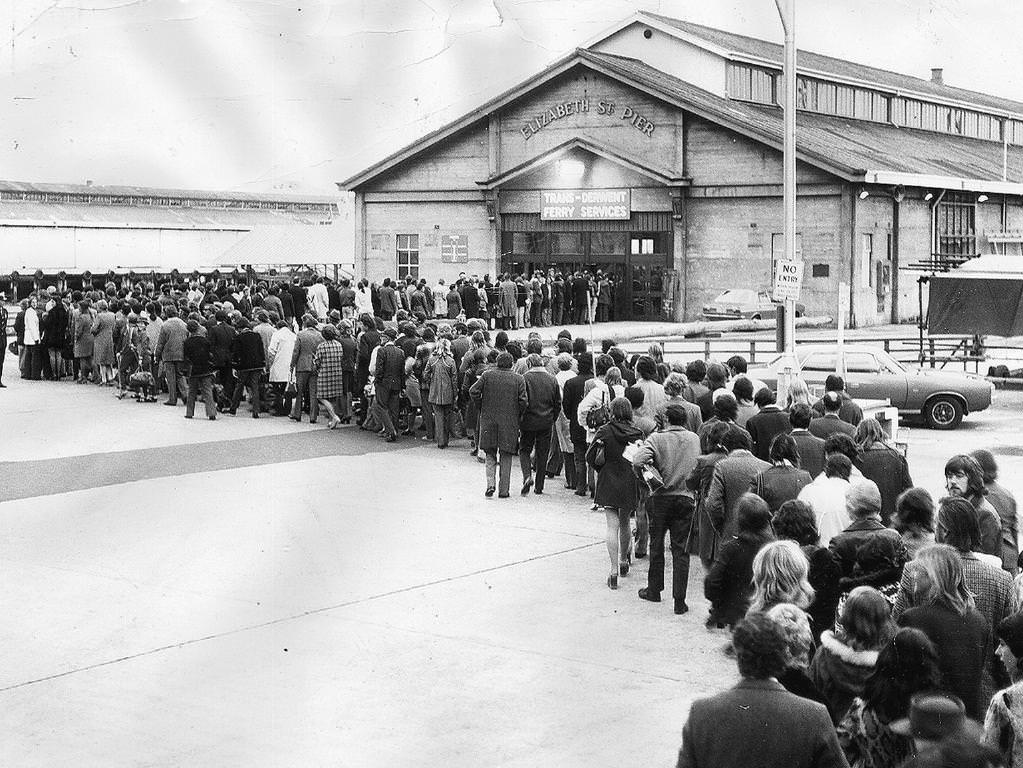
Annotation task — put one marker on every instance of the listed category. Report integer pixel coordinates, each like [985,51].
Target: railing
[939,350]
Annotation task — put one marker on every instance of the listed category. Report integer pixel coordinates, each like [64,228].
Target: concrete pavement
[246,592]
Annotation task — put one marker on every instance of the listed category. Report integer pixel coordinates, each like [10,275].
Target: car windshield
[737,297]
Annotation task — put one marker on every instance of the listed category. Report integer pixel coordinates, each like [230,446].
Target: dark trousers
[603,310]
[536,314]
[3,352]
[672,515]
[555,459]
[387,402]
[200,385]
[541,440]
[225,374]
[176,386]
[247,380]
[556,311]
[582,316]
[579,454]
[442,415]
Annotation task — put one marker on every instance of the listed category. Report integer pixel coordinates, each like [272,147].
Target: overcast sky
[263,94]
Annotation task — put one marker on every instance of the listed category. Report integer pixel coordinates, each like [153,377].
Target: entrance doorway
[635,261]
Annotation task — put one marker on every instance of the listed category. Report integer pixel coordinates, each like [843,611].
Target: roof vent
[936,76]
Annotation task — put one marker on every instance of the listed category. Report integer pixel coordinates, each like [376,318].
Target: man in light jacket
[673,453]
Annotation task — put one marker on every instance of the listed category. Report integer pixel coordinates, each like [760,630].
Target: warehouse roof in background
[809,63]
[33,189]
[852,148]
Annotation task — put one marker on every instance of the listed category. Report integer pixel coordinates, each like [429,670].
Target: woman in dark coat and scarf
[617,486]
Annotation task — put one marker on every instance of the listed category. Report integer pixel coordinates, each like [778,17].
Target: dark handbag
[599,416]
[13,347]
[596,454]
[292,387]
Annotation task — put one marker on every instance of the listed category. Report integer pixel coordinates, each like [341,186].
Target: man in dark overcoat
[502,399]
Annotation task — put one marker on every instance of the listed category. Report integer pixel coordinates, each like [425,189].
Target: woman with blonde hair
[847,657]
[947,614]
[795,626]
[780,572]
[798,393]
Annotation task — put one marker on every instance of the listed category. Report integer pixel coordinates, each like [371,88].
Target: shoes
[503,495]
[213,418]
[647,594]
[312,421]
[569,486]
[639,555]
[166,403]
[612,581]
[527,485]
[538,490]
[391,439]
[581,492]
[2,385]
[233,412]
[623,569]
[255,415]
[333,424]
[491,490]
[187,416]
[681,607]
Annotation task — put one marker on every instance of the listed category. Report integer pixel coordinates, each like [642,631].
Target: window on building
[956,227]
[751,84]
[408,256]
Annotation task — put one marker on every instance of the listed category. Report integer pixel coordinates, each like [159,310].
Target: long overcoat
[501,395]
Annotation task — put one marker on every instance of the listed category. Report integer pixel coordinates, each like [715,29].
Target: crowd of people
[871,624]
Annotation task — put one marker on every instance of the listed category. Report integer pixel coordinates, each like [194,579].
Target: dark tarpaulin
[983,305]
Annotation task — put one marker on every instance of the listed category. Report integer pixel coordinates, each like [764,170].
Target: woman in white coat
[363,299]
[279,352]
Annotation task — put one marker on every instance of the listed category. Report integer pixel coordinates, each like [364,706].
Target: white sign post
[788,279]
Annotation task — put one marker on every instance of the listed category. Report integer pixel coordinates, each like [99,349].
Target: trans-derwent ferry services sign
[585,204]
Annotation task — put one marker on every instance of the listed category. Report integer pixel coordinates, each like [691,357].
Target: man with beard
[964,478]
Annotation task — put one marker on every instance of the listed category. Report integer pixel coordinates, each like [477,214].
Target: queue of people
[882,626]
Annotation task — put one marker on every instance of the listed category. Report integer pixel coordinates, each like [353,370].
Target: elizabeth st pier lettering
[602,107]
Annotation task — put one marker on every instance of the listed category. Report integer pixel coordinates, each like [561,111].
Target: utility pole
[787,13]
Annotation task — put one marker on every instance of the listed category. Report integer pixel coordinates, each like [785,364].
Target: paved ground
[262,593]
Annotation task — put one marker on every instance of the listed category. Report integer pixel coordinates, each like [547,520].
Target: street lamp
[787,13]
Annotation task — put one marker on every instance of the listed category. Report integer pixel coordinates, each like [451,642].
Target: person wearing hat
[934,719]
[1003,724]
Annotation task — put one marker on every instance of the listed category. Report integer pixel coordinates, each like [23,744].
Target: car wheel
[943,413]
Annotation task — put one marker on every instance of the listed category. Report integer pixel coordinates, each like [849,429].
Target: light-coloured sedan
[745,304]
[941,397]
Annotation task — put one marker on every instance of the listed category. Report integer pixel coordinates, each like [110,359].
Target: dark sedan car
[942,397]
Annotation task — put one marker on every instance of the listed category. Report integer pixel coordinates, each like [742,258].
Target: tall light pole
[787,12]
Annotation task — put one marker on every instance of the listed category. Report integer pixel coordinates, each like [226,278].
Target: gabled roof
[854,150]
[661,175]
[734,45]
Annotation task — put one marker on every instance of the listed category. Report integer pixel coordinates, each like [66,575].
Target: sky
[260,95]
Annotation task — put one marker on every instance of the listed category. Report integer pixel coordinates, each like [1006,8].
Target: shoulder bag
[599,416]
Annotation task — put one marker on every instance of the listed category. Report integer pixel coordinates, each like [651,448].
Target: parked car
[745,304]
[943,398]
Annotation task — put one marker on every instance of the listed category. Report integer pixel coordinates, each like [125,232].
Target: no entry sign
[788,279]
